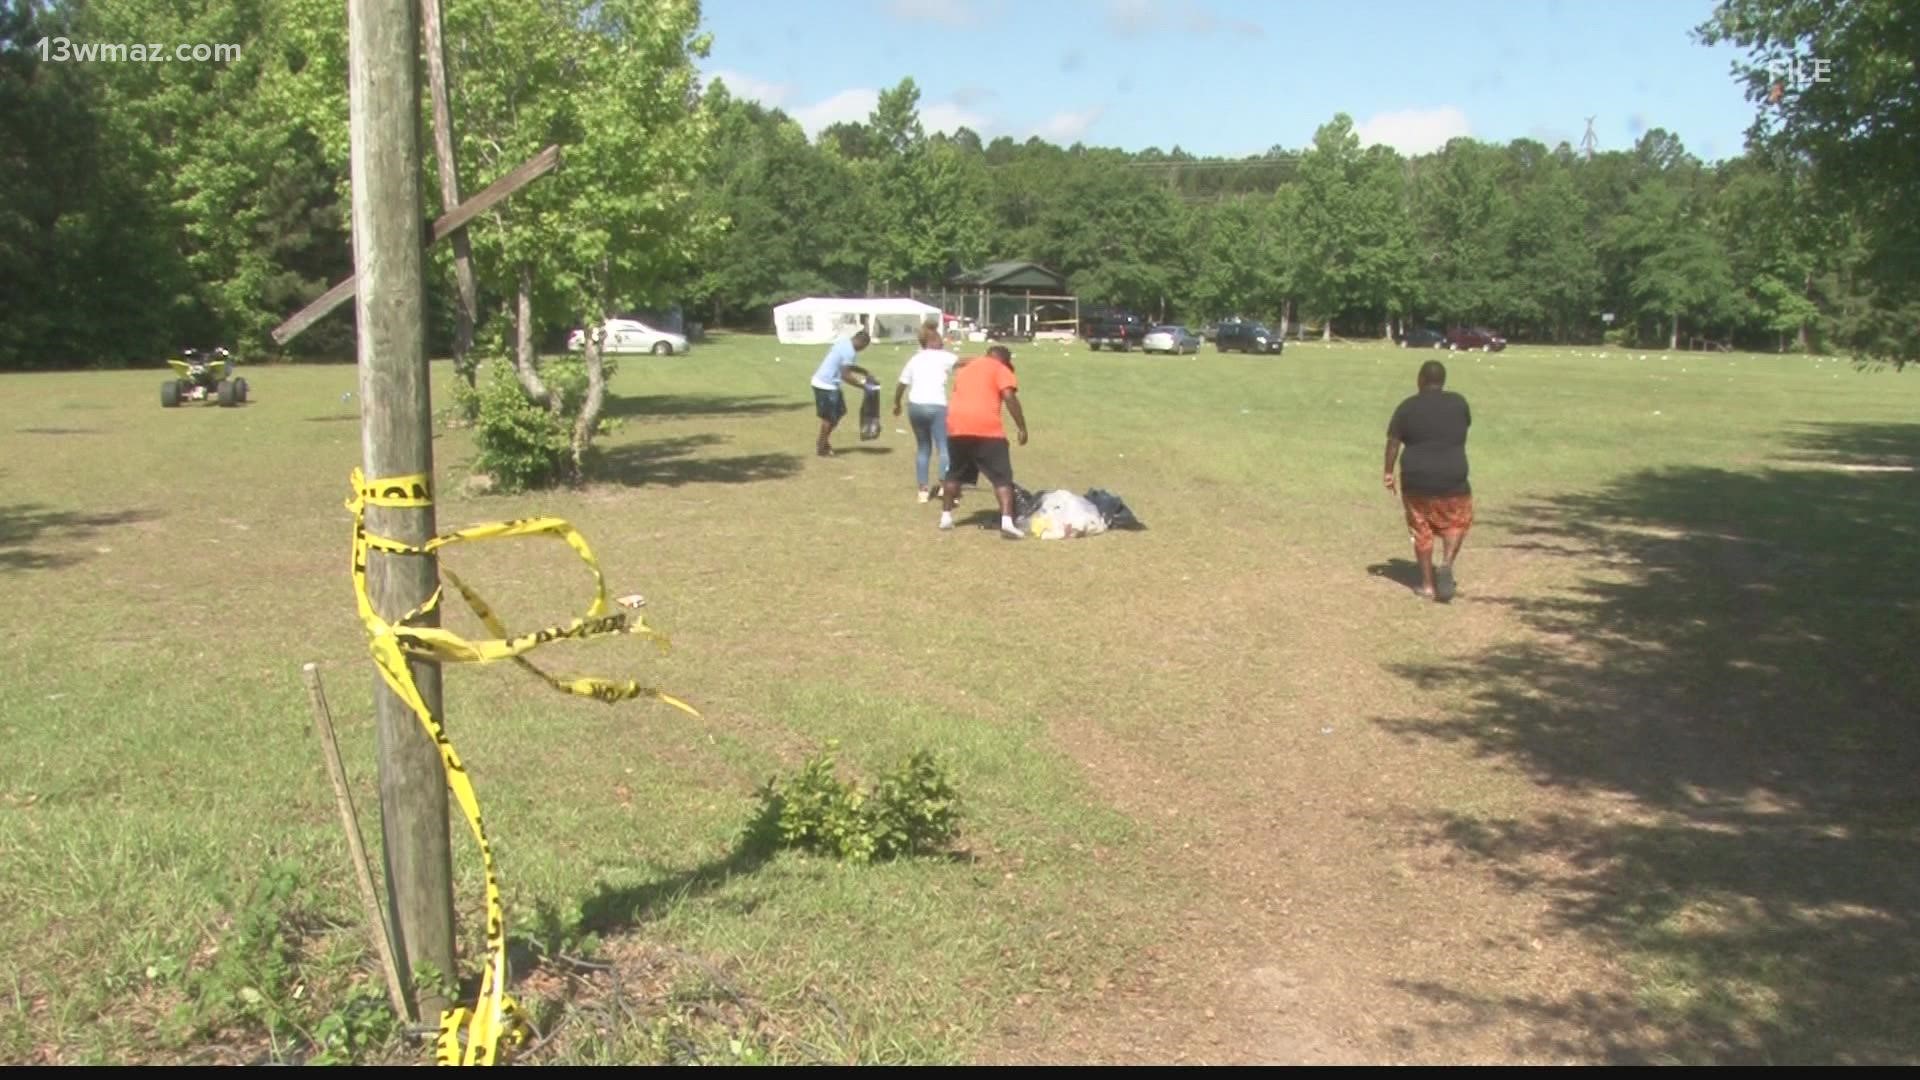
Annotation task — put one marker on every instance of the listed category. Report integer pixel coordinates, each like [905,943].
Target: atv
[203,375]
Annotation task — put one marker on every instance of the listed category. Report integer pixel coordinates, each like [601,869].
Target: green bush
[913,810]
[521,445]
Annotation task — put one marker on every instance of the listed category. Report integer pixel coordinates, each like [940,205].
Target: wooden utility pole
[449,180]
[396,438]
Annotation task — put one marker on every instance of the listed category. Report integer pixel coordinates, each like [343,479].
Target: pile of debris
[1059,514]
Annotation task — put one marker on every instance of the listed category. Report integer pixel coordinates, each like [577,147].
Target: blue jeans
[930,433]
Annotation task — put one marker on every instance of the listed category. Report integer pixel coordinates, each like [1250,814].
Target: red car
[1474,337]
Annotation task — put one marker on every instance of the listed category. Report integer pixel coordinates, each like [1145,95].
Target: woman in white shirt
[923,383]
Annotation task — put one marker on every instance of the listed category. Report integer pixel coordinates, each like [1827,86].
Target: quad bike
[203,375]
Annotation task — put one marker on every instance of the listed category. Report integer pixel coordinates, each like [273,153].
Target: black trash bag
[1113,510]
[1025,502]
[870,412]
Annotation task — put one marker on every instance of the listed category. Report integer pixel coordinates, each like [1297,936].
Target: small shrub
[913,810]
[521,445]
[363,1023]
[251,978]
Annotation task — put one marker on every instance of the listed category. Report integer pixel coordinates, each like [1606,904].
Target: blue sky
[1237,76]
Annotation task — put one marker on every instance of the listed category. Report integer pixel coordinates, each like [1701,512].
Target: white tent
[820,320]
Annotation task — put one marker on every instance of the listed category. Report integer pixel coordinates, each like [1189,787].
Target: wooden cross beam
[523,174]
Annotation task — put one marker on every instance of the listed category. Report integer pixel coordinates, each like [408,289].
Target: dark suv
[1239,336]
[1116,330]
[1464,338]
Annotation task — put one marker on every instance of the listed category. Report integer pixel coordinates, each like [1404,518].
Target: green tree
[1679,270]
[611,81]
[1467,226]
[928,196]
[1554,273]
[240,189]
[1355,241]
[1776,245]
[1114,233]
[782,201]
[1242,267]
[82,232]
[1833,85]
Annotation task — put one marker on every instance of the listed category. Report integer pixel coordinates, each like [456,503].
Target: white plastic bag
[1063,515]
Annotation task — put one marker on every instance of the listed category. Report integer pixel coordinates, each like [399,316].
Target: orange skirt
[1447,515]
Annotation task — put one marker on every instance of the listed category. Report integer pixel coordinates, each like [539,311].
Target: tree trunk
[1386,330]
[1673,340]
[588,422]
[523,359]
[467,310]
[1806,335]
[1326,330]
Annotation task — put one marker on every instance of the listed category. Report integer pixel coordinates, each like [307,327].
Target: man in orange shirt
[976,443]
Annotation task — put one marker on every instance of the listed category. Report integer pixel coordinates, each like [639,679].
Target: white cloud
[1132,17]
[945,12]
[846,106]
[1138,18]
[950,117]
[1414,131]
[742,85]
[968,96]
[857,104]
[1069,126]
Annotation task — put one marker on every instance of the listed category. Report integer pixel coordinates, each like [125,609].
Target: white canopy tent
[820,320]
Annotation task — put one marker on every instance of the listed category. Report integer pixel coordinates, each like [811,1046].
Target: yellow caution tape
[494,1017]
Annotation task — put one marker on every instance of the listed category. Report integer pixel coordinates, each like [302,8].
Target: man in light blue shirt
[838,367]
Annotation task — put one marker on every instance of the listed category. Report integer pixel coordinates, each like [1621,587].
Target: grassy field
[1643,793]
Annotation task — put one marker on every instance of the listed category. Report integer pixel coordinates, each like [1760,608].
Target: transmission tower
[1587,141]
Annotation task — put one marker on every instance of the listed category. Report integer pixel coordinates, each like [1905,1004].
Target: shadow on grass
[1894,446]
[702,405]
[23,525]
[612,910]
[1737,663]
[1399,571]
[673,462]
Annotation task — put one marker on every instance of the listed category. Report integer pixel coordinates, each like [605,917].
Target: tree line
[154,205]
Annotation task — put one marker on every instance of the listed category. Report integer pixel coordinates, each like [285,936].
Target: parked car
[1237,336]
[1424,337]
[1119,331]
[1464,338]
[1173,340]
[632,336]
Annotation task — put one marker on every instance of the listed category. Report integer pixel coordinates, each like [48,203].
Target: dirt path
[1337,920]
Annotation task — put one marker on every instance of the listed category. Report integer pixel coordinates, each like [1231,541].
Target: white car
[1174,340]
[632,336]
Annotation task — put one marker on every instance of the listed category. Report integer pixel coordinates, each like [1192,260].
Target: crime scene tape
[472,1035]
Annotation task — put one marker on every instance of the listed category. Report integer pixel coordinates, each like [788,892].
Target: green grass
[170,570]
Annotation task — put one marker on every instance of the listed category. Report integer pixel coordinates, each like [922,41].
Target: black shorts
[970,455]
[829,405]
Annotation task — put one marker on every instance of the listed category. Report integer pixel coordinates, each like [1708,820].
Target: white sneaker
[946,520]
[923,495]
